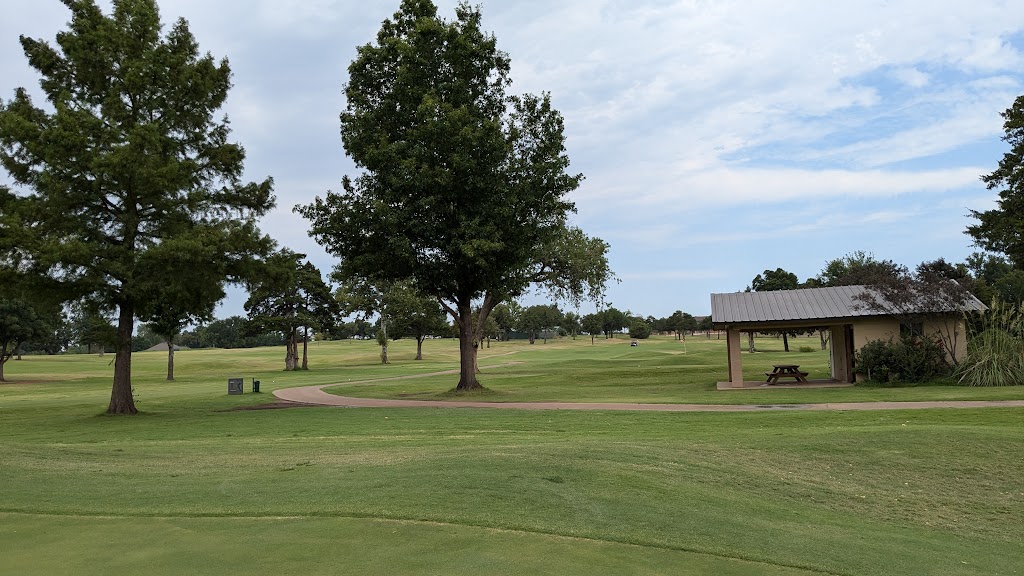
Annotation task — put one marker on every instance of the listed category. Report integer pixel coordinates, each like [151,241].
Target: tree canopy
[128,183]
[463,189]
[777,279]
[400,310]
[290,295]
[538,320]
[855,268]
[18,323]
[1001,229]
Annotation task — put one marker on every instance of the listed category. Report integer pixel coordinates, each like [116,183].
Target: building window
[912,329]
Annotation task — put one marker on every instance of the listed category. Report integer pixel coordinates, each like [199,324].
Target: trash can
[255,385]
[235,386]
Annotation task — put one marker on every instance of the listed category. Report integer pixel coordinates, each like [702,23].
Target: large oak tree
[463,189]
[127,181]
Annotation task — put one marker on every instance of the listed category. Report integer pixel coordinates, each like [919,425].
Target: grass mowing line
[411,376]
[421,522]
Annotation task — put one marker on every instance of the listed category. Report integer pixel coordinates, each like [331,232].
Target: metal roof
[800,304]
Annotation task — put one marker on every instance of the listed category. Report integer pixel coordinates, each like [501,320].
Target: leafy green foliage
[613,320]
[593,324]
[18,323]
[287,295]
[571,323]
[777,279]
[1000,229]
[911,359]
[856,268]
[92,328]
[229,333]
[639,329]
[464,188]
[539,319]
[401,310]
[706,324]
[680,322]
[133,191]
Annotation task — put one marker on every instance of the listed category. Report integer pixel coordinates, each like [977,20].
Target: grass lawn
[658,370]
[193,487]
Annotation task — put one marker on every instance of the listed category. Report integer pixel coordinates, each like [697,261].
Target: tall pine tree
[126,179]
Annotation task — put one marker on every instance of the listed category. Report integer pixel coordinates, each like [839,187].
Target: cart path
[316,396]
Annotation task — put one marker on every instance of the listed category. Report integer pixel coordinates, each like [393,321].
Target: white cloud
[911,76]
[684,114]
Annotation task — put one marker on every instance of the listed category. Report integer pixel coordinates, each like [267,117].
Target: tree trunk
[121,401]
[824,343]
[2,362]
[591,339]
[533,338]
[419,347]
[467,354]
[750,341]
[291,352]
[305,348]
[384,353]
[476,358]
[785,341]
[170,359]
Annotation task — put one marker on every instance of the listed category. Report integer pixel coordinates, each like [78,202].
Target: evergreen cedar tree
[130,188]
[1001,229]
[463,188]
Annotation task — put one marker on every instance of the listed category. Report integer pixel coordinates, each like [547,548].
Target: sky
[718,138]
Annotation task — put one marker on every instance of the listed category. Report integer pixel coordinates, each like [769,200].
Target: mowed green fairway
[194,487]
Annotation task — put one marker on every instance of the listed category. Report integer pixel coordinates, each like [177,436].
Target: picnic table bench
[785,371]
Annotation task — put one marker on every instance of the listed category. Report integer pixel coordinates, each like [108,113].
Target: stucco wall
[952,331]
[870,329]
[866,330]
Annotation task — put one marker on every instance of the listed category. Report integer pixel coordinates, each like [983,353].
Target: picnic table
[785,371]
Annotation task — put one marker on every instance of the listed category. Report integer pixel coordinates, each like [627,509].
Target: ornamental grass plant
[995,353]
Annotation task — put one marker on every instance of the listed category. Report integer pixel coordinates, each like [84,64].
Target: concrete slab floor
[762,385]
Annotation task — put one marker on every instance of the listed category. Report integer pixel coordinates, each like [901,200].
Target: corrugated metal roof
[801,304]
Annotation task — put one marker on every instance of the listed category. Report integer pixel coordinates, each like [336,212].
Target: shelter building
[837,309]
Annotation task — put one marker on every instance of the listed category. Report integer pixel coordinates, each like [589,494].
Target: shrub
[995,353]
[639,330]
[909,359]
[806,349]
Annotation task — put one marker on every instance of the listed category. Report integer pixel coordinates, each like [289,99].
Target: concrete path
[316,395]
